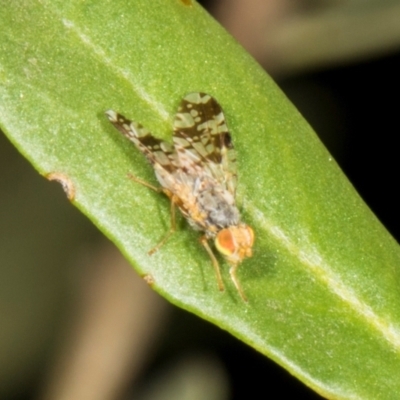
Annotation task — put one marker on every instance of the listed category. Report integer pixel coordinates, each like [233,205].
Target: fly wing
[202,140]
[161,154]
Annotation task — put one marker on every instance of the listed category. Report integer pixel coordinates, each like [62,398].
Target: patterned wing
[202,140]
[161,154]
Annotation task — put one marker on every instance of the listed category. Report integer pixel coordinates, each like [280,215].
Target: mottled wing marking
[159,153]
[202,140]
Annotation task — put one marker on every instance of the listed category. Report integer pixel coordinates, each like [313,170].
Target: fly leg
[144,183]
[232,273]
[172,228]
[204,242]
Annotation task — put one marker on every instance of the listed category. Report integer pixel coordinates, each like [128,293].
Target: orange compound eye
[225,243]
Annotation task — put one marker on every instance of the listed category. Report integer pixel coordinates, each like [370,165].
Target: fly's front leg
[204,242]
[232,272]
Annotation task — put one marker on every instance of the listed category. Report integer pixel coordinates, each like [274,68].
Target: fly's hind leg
[172,228]
[144,183]
[204,242]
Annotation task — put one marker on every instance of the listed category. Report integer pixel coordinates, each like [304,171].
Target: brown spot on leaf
[149,279]
[66,183]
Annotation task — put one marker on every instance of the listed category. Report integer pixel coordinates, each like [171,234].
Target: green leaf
[323,286]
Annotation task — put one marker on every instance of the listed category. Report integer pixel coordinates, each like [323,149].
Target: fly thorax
[219,206]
